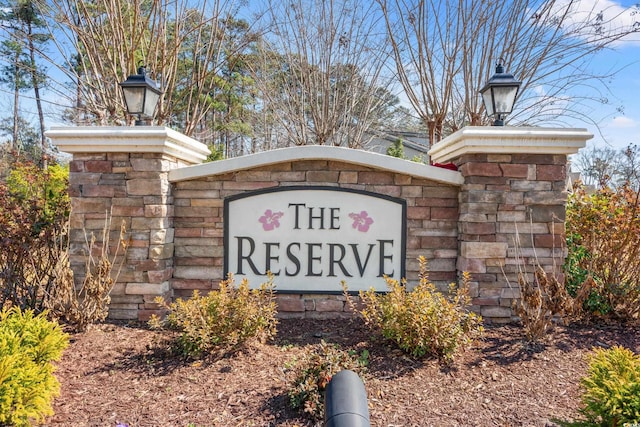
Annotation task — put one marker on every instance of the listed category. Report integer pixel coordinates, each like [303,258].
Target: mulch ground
[123,373]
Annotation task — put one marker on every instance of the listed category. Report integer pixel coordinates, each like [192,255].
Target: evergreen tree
[13,74]
[27,146]
[27,35]
[397,149]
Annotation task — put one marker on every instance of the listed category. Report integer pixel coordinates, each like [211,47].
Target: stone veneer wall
[512,212]
[132,190]
[108,182]
[512,207]
[432,221]
[501,214]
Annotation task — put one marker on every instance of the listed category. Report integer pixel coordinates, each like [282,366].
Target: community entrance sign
[313,238]
[317,215]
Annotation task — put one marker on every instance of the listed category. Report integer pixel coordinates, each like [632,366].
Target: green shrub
[312,372]
[223,319]
[33,234]
[28,182]
[611,394]
[603,230]
[396,149]
[423,321]
[579,281]
[28,345]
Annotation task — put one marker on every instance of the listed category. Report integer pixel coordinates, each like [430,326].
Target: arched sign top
[319,152]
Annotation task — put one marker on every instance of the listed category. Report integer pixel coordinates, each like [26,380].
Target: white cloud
[611,17]
[617,133]
[623,122]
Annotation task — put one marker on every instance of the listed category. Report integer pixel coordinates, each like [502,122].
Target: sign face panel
[313,238]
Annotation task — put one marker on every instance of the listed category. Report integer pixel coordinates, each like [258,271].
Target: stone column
[120,174]
[512,206]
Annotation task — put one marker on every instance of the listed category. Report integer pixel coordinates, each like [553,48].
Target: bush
[579,282]
[28,345]
[611,394]
[604,243]
[34,250]
[313,371]
[27,182]
[541,300]
[423,321]
[223,319]
[88,303]
[33,235]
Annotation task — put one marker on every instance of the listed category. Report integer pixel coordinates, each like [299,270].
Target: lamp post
[499,94]
[141,95]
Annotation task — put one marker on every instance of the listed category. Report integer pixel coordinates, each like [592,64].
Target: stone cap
[319,152]
[128,139]
[509,140]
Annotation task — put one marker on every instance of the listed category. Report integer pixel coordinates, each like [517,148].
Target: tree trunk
[431,126]
[36,91]
[16,111]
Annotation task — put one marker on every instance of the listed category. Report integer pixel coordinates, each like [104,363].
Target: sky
[617,122]
[617,128]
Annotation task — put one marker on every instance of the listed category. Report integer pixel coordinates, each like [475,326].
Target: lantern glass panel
[134,97]
[487,99]
[151,102]
[504,97]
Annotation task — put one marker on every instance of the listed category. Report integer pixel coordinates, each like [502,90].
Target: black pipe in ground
[345,401]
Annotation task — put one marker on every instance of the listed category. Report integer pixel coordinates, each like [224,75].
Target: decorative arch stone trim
[319,152]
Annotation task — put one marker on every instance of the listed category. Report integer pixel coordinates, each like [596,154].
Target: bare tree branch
[445,51]
[327,90]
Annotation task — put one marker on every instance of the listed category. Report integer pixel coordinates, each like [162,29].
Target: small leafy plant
[312,372]
[611,394]
[28,345]
[423,321]
[223,319]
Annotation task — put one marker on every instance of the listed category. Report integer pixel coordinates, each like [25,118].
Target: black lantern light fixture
[499,94]
[141,95]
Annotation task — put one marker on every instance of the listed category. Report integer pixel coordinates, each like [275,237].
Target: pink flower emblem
[270,220]
[361,221]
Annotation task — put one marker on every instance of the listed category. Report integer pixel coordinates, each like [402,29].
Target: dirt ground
[122,373]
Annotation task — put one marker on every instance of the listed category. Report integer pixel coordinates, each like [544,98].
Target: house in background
[415,144]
